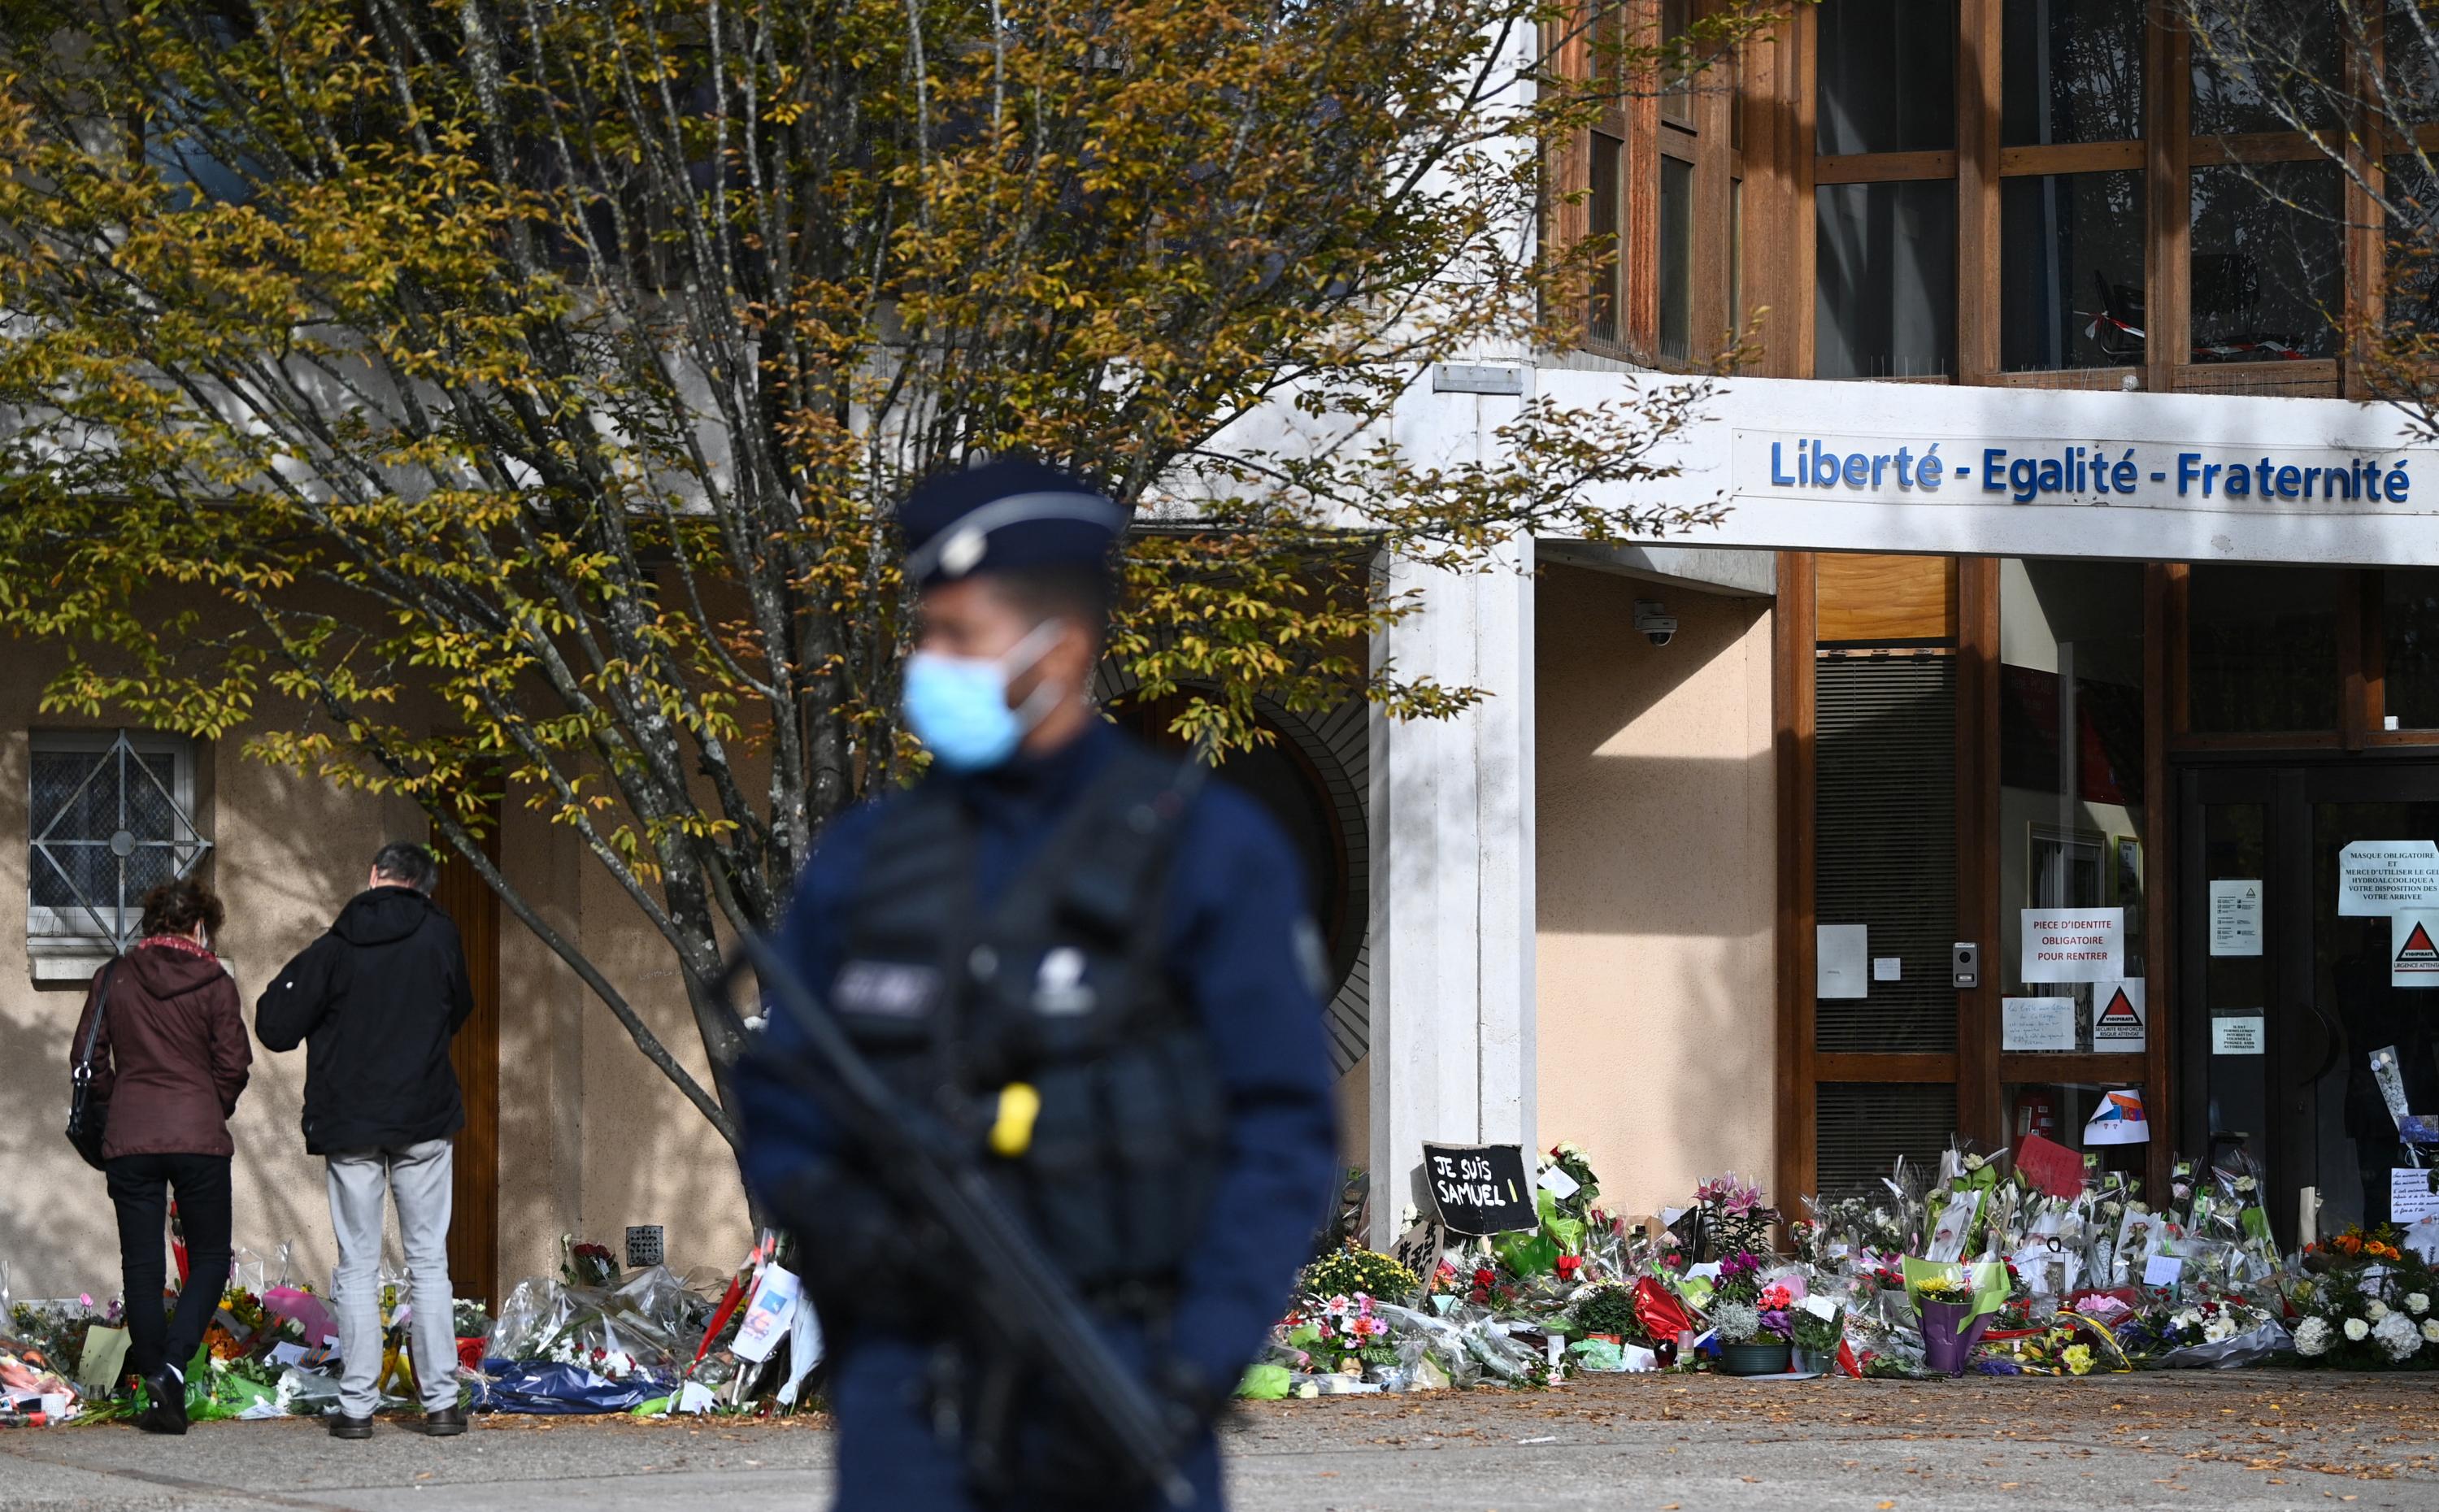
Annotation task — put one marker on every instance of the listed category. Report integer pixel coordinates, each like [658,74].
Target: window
[2267,264]
[2072,811]
[2410,63]
[2262,650]
[2231,97]
[1677,100]
[1736,66]
[1675,258]
[112,816]
[1609,230]
[2408,604]
[1887,76]
[2069,271]
[2073,72]
[1885,263]
[1735,260]
[2410,204]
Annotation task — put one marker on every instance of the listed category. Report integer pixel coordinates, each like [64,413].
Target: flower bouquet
[1728,1218]
[578,1348]
[1356,1271]
[2216,1332]
[1817,1328]
[2367,1304]
[1954,1302]
[32,1392]
[2071,1344]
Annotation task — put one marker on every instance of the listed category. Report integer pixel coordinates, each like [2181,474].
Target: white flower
[2430,1329]
[2397,1335]
[2217,1328]
[2356,1328]
[2376,1309]
[2312,1337]
[2418,1304]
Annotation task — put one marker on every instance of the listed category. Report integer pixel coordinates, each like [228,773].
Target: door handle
[2335,1039]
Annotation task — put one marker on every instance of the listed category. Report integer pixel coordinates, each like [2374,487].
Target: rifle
[1026,1304]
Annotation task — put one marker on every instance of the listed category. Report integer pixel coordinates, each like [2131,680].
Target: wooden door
[474,1216]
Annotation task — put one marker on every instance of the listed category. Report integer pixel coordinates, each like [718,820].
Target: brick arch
[1333,750]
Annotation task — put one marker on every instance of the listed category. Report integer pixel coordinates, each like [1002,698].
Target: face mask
[957,706]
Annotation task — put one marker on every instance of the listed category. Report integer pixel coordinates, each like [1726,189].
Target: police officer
[1096,968]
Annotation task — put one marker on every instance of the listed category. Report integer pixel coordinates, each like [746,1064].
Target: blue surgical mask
[957,706]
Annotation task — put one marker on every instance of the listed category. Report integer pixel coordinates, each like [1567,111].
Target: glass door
[2367,979]
[2291,976]
[2231,880]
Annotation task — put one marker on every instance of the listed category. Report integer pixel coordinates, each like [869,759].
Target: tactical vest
[1060,988]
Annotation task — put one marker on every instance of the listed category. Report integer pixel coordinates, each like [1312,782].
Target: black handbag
[89,1115]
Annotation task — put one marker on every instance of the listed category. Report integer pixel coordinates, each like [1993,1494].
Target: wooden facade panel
[2314,378]
[1885,598]
[1880,167]
[2069,157]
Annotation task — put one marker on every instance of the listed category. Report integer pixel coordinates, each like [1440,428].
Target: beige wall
[592,1138]
[1656,886]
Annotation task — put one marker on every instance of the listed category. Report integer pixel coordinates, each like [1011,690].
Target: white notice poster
[2236,1034]
[2377,877]
[1841,962]
[2074,945]
[2036,1024]
[2410,1198]
[2120,1017]
[2414,946]
[2235,917]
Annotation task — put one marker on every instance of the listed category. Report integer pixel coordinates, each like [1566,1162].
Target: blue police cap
[1004,516]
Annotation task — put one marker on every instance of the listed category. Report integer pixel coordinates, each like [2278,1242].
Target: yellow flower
[2079,1358]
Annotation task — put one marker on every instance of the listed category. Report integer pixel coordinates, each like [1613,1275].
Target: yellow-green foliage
[499,399]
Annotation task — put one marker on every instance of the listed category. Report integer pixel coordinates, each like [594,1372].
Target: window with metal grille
[112,816]
[1885,843]
[1861,1128]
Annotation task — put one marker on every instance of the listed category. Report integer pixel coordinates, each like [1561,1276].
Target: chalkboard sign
[1479,1188]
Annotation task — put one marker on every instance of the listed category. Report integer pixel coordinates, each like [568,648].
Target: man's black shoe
[342,1426]
[445,1423]
[166,1413]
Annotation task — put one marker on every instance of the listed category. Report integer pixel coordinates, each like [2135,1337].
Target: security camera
[1658,627]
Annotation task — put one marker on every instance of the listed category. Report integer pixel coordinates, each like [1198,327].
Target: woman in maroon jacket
[172,1059]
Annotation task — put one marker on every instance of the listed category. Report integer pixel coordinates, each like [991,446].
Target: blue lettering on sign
[2074,471]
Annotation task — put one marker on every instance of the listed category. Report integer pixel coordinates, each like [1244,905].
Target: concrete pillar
[1452,1034]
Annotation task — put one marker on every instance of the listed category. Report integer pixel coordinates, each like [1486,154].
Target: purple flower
[1774,1322]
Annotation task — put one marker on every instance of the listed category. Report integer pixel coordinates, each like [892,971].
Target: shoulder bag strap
[93,1036]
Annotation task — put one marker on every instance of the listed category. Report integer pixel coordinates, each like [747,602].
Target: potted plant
[1819,1327]
[1751,1332]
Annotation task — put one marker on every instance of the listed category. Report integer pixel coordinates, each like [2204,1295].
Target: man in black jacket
[376,999]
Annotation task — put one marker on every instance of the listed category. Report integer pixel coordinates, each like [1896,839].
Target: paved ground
[2228,1443]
